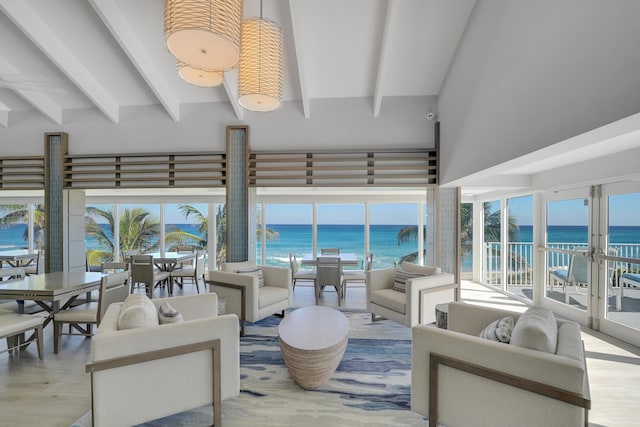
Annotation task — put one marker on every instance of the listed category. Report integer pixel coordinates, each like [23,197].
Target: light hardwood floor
[55,391]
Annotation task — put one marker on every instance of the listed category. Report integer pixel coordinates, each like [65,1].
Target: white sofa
[418,303]
[146,373]
[244,295]
[464,397]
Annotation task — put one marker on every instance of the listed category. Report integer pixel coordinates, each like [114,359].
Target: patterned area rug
[371,386]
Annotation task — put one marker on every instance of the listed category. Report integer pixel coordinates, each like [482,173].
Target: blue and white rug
[371,387]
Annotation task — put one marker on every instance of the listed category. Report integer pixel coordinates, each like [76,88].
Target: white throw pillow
[536,329]
[499,330]
[168,314]
[137,312]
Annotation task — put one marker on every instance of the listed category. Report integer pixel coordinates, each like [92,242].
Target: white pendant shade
[260,68]
[204,33]
[199,77]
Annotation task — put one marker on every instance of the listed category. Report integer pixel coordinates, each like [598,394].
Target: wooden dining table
[49,290]
[18,257]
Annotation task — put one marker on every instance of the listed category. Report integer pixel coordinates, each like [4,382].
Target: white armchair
[418,303]
[461,379]
[244,295]
[142,374]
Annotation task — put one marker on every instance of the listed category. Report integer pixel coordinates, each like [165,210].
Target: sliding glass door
[620,290]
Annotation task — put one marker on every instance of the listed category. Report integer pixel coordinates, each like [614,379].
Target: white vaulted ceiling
[60,55]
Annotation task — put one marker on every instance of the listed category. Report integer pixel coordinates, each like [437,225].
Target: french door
[591,253]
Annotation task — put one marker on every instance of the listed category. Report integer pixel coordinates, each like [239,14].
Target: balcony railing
[520,260]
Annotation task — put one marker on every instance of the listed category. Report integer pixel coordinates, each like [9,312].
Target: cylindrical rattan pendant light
[204,34]
[199,77]
[260,69]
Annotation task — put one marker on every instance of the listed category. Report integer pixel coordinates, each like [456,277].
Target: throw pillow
[536,329]
[400,280]
[255,272]
[137,312]
[168,314]
[499,330]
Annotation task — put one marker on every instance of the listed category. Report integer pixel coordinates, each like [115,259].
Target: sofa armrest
[456,386]
[277,276]
[425,292]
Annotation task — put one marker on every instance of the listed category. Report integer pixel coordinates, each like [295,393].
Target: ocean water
[349,238]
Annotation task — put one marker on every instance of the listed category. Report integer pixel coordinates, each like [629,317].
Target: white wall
[334,124]
[529,74]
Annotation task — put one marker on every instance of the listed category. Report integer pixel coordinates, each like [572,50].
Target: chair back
[293,263]
[578,272]
[11,273]
[199,267]
[329,271]
[113,288]
[368,262]
[40,262]
[141,269]
[330,251]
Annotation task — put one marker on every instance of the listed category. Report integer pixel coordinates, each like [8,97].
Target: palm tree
[139,231]
[178,237]
[19,214]
[491,229]
[221,229]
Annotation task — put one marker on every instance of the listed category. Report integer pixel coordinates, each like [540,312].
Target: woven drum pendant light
[204,34]
[198,77]
[259,72]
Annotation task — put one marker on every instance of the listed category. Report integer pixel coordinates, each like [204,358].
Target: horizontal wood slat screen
[146,171]
[343,169]
[208,170]
[22,173]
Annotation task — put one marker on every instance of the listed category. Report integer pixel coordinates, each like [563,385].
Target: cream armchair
[418,303]
[142,374]
[239,283]
[482,382]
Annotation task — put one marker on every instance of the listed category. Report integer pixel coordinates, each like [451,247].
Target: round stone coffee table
[313,340]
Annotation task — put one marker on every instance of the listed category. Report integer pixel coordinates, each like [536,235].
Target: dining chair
[329,273]
[356,275]
[195,272]
[330,251]
[37,267]
[297,273]
[113,288]
[143,271]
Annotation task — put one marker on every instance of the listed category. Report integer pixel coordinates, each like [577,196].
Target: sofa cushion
[234,267]
[138,311]
[388,298]
[536,329]
[499,330]
[270,295]
[254,272]
[415,268]
[168,314]
[401,277]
